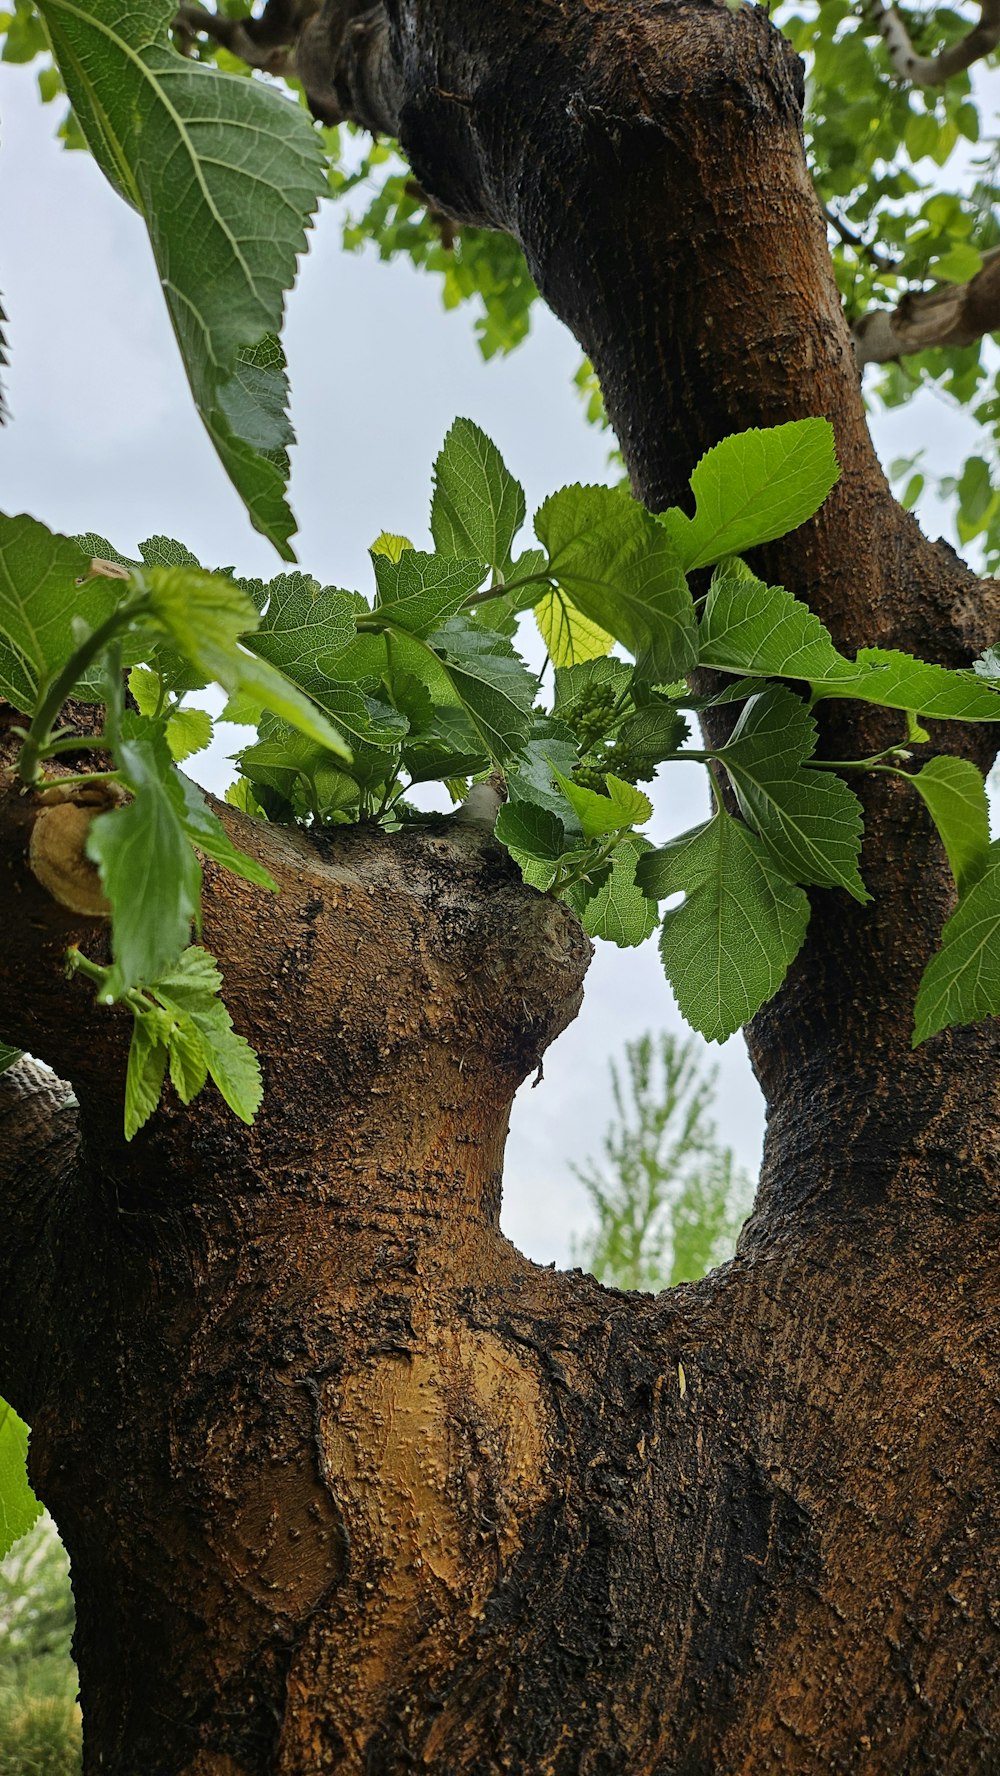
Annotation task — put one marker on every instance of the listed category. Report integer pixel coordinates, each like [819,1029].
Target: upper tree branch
[950,315]
[934,70]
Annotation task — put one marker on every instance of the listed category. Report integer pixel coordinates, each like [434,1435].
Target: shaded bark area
[348,1484]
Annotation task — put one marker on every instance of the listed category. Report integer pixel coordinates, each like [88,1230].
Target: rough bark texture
[347,1483]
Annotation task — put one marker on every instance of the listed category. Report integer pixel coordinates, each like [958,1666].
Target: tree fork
[347,1483]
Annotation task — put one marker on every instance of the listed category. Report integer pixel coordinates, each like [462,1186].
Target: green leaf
[955,794]
[19,1507]
[9,1056]
[207,617]
[809,820]
[727,947]
[655,732]
[619,912]
[623,806]
[206,831]
[420,592]
[190,990]
[44,583]
[961,983]
[570,638]
[748,627]
[147,1066]
[301,619]
[495,687]
[960,263]
[148,869]
[531,831]
[188,731]
[753,487]
[615,563]
[226,173]
[550,748]
[188,1064]
[901,682]
[477,508]
[164,551]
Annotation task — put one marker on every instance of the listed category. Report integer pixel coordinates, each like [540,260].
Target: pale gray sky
[104,437]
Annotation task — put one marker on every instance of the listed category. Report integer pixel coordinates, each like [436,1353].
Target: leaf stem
[39,736]
[866,764]
[535,579]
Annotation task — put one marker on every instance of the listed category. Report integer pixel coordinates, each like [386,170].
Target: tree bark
[348,1484]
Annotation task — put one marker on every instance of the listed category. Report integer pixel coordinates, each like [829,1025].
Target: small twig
[851,239]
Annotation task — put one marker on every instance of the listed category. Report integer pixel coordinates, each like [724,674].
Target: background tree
[475,1516]
[669,1199]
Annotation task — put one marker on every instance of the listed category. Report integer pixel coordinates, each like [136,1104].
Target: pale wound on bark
[436,1459]
[57,850]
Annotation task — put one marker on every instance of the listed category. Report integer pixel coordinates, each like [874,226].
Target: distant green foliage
[39,1719]
[475,265]
[669,1200]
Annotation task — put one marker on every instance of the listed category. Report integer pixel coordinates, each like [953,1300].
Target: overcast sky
[104,437]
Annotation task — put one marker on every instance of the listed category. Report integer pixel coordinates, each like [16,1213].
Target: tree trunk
[347,1483]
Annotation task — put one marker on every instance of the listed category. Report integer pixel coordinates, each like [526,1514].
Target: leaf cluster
[359,700]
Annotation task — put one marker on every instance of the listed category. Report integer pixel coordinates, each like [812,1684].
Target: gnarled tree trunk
[347,1483]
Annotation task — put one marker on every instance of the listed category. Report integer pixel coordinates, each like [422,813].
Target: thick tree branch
[934,70]
[949,315]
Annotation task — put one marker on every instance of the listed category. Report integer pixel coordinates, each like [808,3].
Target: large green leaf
[478,507]
[617,565]
[752,487]
[43,587]
[961,984]
[208,617]
[226,173]
[619,912]
[955,794]
[420,592]
[727,947]
[8,1056]
[495,688]
[901,682]
[18,1505]
[749,627]
[809,820]
[301,619]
